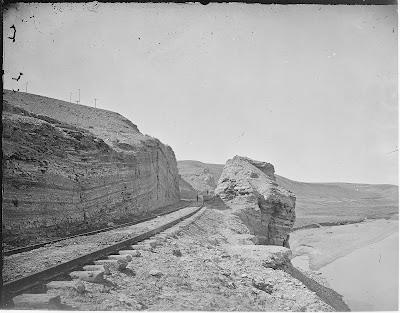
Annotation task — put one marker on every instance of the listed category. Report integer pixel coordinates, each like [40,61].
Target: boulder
[156,273]
[263,285]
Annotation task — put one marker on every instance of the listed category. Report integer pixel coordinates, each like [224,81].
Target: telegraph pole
[70,97]
[26,87]
[95,99]
[79,95]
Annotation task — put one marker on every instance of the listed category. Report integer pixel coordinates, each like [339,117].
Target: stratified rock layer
[67,167]
[249,188]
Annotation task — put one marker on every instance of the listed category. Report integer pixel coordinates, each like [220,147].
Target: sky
[311,89]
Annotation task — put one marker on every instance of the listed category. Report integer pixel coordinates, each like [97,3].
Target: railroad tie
[124,257]
[75,285]
[89,276]
[91,273]
[151,243]
[104,268]
[132,253]
[37,301]
[114,264]
[144,247]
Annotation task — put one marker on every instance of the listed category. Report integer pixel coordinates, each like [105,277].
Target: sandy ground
[204,276]
[321,246]
[23,264]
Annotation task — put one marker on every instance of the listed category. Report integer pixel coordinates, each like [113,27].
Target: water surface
[368,277]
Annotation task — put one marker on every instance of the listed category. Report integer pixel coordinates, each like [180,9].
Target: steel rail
[12,288]
[39,245]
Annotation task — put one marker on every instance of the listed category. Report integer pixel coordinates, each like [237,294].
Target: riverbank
[323,245]
[359,261]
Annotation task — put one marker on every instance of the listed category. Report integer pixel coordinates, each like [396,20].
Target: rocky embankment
[198,265]
[249,188]
[69,167]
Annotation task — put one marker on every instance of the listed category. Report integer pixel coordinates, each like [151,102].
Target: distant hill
[316,202]
[202,176]
[186,189]
[327,202]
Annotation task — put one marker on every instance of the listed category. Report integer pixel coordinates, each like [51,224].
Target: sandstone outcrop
[67,167]
[248,187]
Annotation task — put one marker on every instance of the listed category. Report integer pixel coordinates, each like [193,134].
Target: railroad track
[39,245]
[115,257]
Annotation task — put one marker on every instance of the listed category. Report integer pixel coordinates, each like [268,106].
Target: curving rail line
[17,286]
[39,245]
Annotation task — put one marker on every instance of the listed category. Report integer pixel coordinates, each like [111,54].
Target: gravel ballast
[26,263]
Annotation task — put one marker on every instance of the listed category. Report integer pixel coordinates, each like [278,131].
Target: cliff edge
[67,167]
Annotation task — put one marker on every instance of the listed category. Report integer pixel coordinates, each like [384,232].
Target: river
[368,278]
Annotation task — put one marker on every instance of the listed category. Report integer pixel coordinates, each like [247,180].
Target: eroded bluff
[249,188]
[67,167]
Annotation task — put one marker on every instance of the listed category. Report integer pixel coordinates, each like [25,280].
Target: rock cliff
[67,167]
[248,187]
